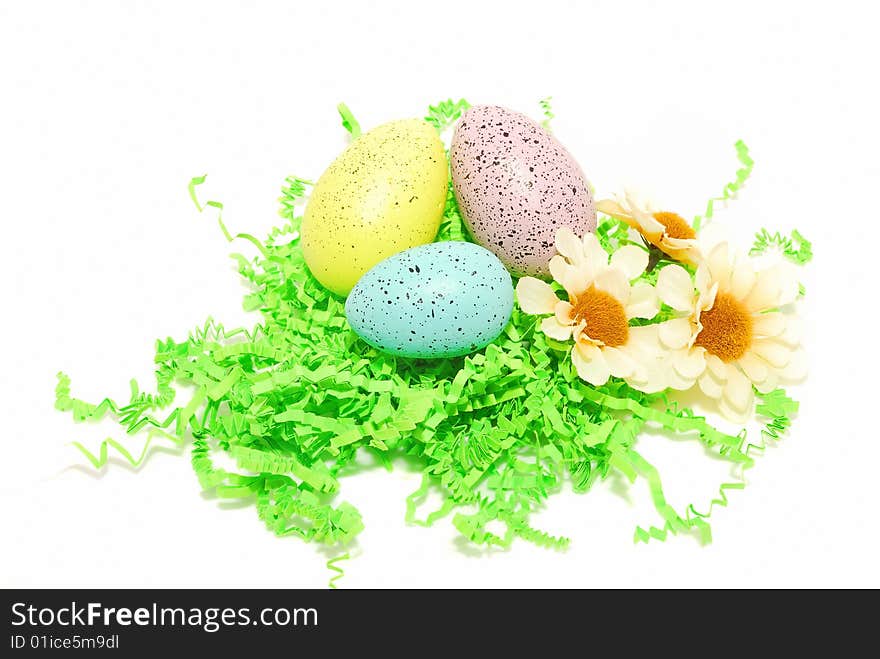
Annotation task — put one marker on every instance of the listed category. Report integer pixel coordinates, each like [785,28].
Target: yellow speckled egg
[385,193]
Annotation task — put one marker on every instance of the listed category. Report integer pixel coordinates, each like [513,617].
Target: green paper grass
[796,248]
[547,109]
[296,399]
[730,190]
[446,113]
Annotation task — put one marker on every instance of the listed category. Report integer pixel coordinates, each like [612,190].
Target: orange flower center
[604,315]
[727,329]
[676,226]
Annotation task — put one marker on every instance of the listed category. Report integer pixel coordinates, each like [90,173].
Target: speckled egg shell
[383,194]
[440,300]
[516,185]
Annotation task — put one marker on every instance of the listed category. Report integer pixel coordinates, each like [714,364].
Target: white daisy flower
[668,232]
[732,333]
[601,301]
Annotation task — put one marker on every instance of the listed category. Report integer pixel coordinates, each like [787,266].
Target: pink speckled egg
[516,185]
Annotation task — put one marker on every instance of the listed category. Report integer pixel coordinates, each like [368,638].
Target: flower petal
[620,363]
[675,333]
[738,390]
[742,279]
[778,355]
[643,302]
[678,243]
[703,278]
[569,245]
[564,312]
[731,413]
[552,328]
[649,226]
[649,377]
[682,255]
[768,385]
[775,287]
[706,300]
[789,286]
[718,262]
[577,332]
[596,257]
[718,367]
[590,364]
[631,260]
[612,208]
[535,296]
[644,218]
[675,288]
[768,325]
[711,235]
[634,201]
[794,330]
[710,385]
[689,364]
[645,350]
[674,380]
[575,280]
[644,342]
[615,283]
[797,367]
[764,294]
[754,367]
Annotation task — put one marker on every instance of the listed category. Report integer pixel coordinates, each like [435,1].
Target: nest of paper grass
[295,400]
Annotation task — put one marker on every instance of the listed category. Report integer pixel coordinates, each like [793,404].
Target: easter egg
[384,193]
[440,300]
[516,186]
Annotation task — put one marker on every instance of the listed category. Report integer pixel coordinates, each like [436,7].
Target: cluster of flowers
[725,327]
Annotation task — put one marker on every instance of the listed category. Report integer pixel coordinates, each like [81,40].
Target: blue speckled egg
[438,300]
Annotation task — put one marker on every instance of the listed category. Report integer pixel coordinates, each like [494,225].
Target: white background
[108,109]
